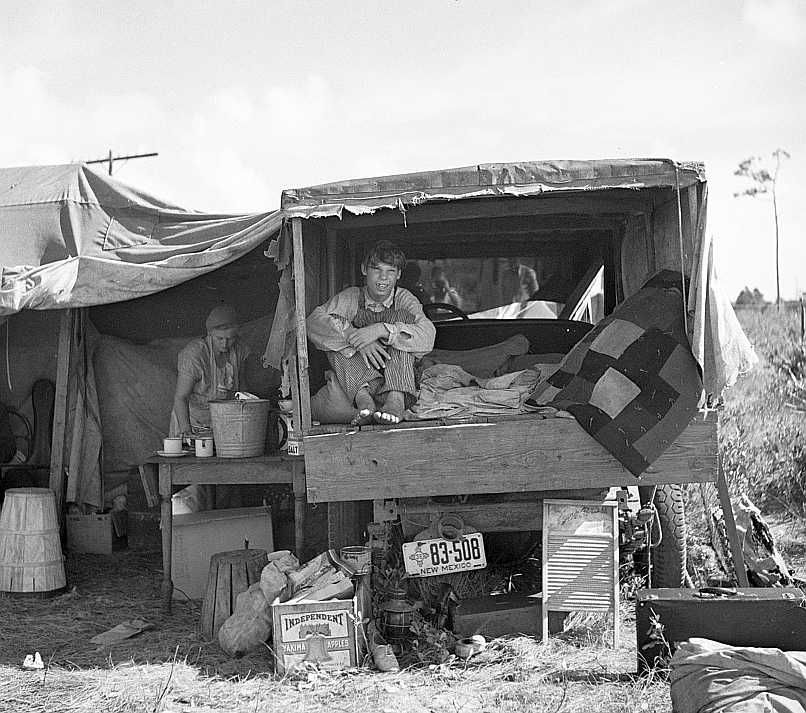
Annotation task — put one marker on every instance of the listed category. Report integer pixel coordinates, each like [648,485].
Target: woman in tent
[208,368]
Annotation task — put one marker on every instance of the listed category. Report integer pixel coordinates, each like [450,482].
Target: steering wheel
[434,307]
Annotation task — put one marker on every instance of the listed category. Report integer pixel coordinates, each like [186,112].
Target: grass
[763,423]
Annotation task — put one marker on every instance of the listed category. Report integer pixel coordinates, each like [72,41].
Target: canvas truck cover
[487,180]
[70,237]
[717,341]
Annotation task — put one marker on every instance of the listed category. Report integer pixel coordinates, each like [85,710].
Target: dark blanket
[632,382]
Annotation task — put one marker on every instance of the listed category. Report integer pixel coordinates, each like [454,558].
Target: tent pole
[60,408]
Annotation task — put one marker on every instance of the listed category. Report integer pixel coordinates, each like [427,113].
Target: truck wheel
[669,556]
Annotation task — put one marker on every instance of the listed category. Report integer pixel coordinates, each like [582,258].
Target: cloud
[777,20]
[48,128]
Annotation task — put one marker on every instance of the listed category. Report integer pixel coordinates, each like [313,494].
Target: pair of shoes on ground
[382,653]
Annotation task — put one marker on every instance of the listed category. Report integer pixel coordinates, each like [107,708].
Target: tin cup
[203,446]
[172,444]
[358,557]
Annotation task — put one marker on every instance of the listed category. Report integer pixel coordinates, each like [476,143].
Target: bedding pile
[448,391]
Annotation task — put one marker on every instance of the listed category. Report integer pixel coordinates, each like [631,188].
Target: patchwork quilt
[632,382]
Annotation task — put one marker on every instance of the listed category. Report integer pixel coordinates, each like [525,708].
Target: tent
[71,238]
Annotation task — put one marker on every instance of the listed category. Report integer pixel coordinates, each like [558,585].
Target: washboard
[580,559]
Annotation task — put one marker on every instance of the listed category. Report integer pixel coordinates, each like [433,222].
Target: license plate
[428,558]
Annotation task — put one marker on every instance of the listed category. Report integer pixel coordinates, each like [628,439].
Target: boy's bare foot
[392,412]
[365,405]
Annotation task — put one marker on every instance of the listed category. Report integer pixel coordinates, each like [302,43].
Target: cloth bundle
[448,391]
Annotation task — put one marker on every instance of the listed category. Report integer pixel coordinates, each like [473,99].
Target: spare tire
[668,554]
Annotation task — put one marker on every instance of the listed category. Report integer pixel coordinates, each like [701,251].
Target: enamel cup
[172,444]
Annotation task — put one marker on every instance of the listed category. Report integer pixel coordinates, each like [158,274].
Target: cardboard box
[99,533]
[328,633]
[198,536]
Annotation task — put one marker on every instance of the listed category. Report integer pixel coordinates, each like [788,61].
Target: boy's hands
[364,336]
[365,341]
[374,355]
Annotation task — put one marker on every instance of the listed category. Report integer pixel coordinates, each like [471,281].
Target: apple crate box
[328,633]
[98,533]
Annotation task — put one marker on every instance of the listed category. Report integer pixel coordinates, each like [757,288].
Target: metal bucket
[239,427]
[31,560]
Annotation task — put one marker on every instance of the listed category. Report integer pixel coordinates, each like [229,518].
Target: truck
[543,250]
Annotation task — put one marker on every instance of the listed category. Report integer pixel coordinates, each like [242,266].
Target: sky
[243,98]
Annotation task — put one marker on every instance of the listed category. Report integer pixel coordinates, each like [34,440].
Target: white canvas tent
[71,238]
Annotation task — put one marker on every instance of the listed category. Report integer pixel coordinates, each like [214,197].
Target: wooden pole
[299,314]
[60,409]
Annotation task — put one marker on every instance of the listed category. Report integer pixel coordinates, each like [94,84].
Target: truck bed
[492,455]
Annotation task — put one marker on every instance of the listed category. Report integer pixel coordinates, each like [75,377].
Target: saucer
[165,454]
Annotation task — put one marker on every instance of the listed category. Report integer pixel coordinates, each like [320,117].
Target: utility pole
[110,159]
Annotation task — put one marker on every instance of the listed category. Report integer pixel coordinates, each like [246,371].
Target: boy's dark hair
[384,252]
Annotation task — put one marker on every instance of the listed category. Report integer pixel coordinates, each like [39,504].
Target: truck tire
[668,557]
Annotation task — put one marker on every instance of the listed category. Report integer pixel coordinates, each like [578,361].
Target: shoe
[382,653]
[33,663]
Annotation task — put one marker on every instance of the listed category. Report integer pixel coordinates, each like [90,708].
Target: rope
[682,257]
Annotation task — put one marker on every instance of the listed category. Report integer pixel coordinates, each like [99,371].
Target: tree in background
[750,298]
[764,182]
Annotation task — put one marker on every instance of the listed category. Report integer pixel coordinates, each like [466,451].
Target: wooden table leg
[166,524]
[300,501]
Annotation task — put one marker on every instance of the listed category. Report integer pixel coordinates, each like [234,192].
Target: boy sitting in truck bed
[373,335]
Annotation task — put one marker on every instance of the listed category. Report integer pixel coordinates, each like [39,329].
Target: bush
[763,433]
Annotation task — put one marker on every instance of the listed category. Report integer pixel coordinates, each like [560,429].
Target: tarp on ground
[71,237]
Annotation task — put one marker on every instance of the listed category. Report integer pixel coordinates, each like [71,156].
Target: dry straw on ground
[517,675]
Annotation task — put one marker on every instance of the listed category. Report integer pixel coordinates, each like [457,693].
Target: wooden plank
[331,240]
[650,244]
[238,471]
[299,507]
[149,484]
[166,528]
[60,408]
[416,515]
[730,528]
[346,522]
[295,433]
[524,225]
[599,203]
[299,314]
[515,456]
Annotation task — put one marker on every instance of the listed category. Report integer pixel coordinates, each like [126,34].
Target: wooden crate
[329,633]
[99,533]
